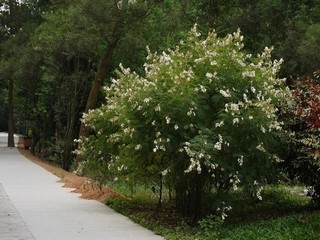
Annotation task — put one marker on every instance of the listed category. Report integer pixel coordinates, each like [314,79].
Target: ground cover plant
[201,122]
[285,213]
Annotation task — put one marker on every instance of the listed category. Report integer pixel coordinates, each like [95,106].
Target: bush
[202,120]
[304,160]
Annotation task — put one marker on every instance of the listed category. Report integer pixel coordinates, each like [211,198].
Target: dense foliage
[304,162]
[202,118]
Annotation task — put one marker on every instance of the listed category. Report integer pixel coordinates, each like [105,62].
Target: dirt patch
[82,185]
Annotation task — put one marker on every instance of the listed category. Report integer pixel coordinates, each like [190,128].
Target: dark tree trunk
[10,114]
[189,192]
[10,84]
[94,93]
[69,134]
[160,190]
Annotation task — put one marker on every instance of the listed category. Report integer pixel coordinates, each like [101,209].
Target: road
[4,139]
[34,206]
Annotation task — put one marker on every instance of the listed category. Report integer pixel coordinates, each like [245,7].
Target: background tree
[18,21]
[12,17]
[121,17]
[65,74]
[277,23]
[309,47]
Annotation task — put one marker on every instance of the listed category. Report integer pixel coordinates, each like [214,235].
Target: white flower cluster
[159,143]
[240,160]
[249,74]
[191,112]
[257,190]
[223,209]
[197,157]
[261,148]
[234,180]
[226,93]
[219,124]
[218,144]
[194,158]
[138,147]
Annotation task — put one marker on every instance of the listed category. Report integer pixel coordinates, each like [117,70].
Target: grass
[285,213]
[296,226]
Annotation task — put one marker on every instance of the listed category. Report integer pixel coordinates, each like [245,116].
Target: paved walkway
[33,206]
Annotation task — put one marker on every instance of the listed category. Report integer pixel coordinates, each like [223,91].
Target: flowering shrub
[305,162]
[307,96]
[202,119]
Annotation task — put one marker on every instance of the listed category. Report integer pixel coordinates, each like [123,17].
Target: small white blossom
[194,165]
[224,93]
[218,145]
[168,119]
[163,173]
[157,108]
[245,97]
[147,100]
[122,167]
[257,190]
[235,121]
[261,148]
[209,75]
[191,112]
[203,89]
[138,147]
[222,210]
[219,124]
[240,160]
[234,107]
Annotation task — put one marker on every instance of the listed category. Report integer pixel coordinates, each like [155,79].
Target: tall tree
[9,27]
[279,23]
[68,55]
[120,17]
[18,19]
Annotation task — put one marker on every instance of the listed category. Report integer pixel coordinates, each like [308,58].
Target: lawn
[284,213]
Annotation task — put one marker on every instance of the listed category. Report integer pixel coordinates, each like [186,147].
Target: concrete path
[33,206]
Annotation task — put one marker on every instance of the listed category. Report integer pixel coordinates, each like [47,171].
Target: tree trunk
[94,93]
[189,192]
[10,114]
[10,85]
[160,190]
[69,134]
